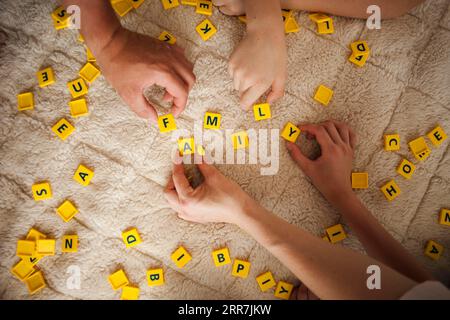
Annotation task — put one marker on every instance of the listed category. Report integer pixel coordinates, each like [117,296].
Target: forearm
[353,8]
[377,242]
[98,23]
[330,271]
[260,13]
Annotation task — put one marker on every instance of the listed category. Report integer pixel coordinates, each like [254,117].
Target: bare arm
[353,8]
[330,174]
[330,271]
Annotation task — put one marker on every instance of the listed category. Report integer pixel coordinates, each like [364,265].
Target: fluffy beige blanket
[403,88]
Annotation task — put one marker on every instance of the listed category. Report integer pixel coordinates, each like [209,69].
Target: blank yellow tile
[181,257]
[155,277]
[83,175]
[261,111]
[221,257]
[67,210]
[189,2]
[406,169]
[131,238]
[437,136]
[25,101]
[283,290]
[69,243]
[336,233]
[34,235]
[204,7]
[166,123]
[25,248]
[63,129]
[122,7]
[90,56]
[391,190]
[35,282]
[265,281]
[46,247]
[186,146]
[290,132]
[45,77]
[360,180]
[323,95]
[130,293]
[167,37]
[433,250]
[118,279]
[206,29]
[78,108]
[291,25]
[212,120]
[41,191]
[419,148]
[169,4]
[77,88]
[89,72]
[241,268]
[22,270]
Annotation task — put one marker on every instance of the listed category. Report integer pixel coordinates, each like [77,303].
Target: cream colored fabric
[403,88]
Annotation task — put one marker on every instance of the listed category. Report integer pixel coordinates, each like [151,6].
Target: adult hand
[259,63]
[217,199]
[331,171]
[132,62]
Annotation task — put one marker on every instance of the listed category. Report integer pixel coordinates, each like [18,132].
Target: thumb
[277,91]
[302,161]
[207,170]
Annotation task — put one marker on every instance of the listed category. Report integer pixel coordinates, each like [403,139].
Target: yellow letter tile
[206,29]
[204,7]
[265,281]
[169,4]
[89,72]
[41,191]
[35,282]
[336,233]
[155,277]
[212,120]
[45,77]
[221,257]
[131,238]
[437,136]
[46,247]
[166,123]
[167,37]
[69,243]
[391,190]
[323,95]
[283,290]
[241,268]
[433,250]
[406,169]
[78,108]
[63,129]
[419,148]
[118,279]
[186,146]
[22,270]
[290,132]
[240,140]
[67,210]
[121,7]
[77,88]
[391,142]
[25,248]
[444,217]
[360,180]
[83,175]
[180,257]
[130,293]
[261,111]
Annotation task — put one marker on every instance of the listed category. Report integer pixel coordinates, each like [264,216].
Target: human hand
[330,172]
[217,199]
[259,62]
[230,7]
[132,62]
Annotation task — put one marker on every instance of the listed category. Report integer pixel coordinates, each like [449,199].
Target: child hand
[217,199]
[259,63]
[330,172]
[132,62]
[230,7]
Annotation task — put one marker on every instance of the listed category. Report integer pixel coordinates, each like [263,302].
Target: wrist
[114,44]
[344,200]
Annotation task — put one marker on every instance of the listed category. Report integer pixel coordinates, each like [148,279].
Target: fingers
[333,132]
[302,161]
[181,183]
[249,97]
[207,170]
[344,131]
[141,106]
[171,196]
[184,69]
[318,132]
[176,87]
[277,90]
[353,139]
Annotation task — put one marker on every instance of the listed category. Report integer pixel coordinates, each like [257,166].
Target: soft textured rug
[403,88]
